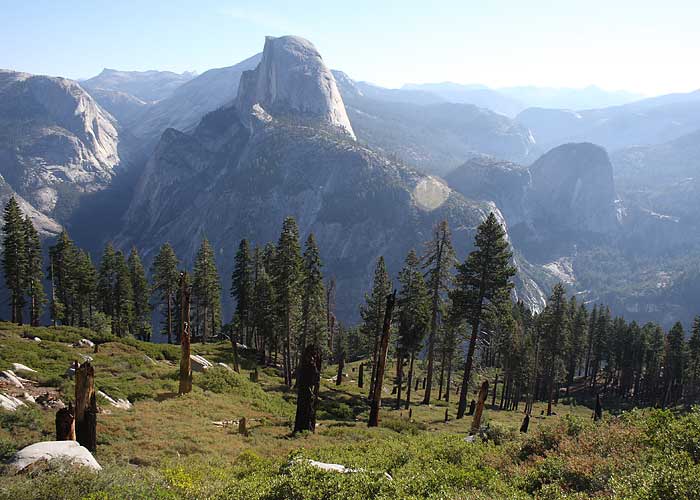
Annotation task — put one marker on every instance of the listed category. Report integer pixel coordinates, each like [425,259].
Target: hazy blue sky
[645,46]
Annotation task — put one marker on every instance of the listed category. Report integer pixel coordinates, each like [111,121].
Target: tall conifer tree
[14,257]
[165,276]
[483,281]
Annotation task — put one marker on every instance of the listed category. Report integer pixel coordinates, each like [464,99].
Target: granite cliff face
[190,102]
[292,80]
[55,141]
[572,187]
[246,167]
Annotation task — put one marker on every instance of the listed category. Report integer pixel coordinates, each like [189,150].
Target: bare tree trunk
[462,406]
[308,380]
[185,362]
[341,366]
[409,381]
[483,393]
[399,378]
[442,375]
[85,406]
[525,425]
[65,424]
[376,400]
[361,376]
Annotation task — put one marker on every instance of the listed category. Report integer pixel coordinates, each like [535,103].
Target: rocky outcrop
[293,81]
[45,451]
[503,182]
[573,188]
[55,141]
[190,102]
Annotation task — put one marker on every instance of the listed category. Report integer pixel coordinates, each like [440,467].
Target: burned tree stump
[341,367]
[65,424]
[598,413]
[85,406]
[308,378]
[447,415]
[483,394]
[472,408]
[417,383]
[254,375]
[424,381]
[526,424]
[410,413]
[376,400]
[242,429]
[361,376]
[185,337]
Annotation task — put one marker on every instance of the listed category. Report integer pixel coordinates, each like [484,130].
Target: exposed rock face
[292,80]
[191,101]
[572,187]
[144,85]
[55,141]
[124,107]
[503,182]
[223,182]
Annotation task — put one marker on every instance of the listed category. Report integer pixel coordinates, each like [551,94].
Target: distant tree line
[450,317]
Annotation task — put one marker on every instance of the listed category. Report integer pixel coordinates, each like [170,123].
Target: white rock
[37,339]
[13,379]
[200,363]
[29,397]
[86,343]
[47,450]
[19,367]
[9,403]
[124,404]
[226,366]
[339,468]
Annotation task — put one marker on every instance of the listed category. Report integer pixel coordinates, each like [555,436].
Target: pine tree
[63,263]
[694,359]
[287,274]
[555,328]
[578,318]
[264,309]
[86,288]
[314,328]
[439,261]
[122,297]
[14,258]
[674,364]
[106,284]
[414,318]
[242,283]
[34,272]
[165,277]
[207,291]
[372,312]
[141,324]
[483,280]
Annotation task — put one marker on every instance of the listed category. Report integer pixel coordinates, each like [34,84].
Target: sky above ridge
[643,46]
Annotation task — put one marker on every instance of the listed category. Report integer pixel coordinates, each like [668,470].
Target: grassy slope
[167,446]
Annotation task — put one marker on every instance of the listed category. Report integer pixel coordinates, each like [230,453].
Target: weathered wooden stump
[242,429]
[308,378]
[472,408]
[447,415]
[65,424]
[254,375]
[525,425]
[185,362]
[85,406]
[483,394]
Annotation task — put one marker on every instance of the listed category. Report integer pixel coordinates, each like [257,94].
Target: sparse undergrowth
[184,447]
